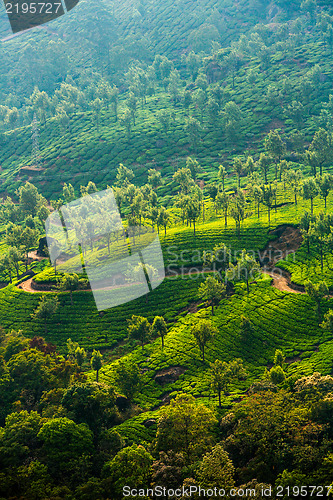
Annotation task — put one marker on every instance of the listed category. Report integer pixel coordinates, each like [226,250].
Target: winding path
[288,240]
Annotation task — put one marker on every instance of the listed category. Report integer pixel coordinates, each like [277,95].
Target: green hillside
[212,124]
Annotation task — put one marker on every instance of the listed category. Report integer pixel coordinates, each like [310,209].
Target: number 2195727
[32,8]
[304,491]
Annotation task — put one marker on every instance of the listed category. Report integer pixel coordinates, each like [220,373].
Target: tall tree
[222,173]
[264,164]
[163,218]
[321,233]
[183,177]
[238,168]
[15,256]
[47,307]
[127,378]
[324,183]
[268,197]
[96,362]
[212,290]
[294,178]
[305,226]
[29,241]
[139,328]
[159,328]
[203,332]
[222,202]
[71,282]
[238,210]
[322,146]
[317,291]
[246,269]
[223,374]
[275,147]
[309,191]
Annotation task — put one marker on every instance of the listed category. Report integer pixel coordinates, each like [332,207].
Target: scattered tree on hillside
[294,178]
[309,191]
[183,177]
[47,307]
[159,328]
[246,269]
[320,232]
[238,168]
[212,290]
[305,225]
[324,183]
[127,378]
[96,362]
[223,374]
[268,197]
[139,328]
[71,282]
[238,210]
[15,257]
[203,332]
[222,202]
[275,147]
[322,147]
[222,173]
[317,291]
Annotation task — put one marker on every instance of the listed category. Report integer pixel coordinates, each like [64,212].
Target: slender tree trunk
[71,294]
[97,375]
[219,399]
[311,206]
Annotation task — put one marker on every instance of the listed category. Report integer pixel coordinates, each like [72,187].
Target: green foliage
[185,427]
[216,468]
[203,332]
[47,307]
[64,442]
[222,374]
[96,362]
[212,290]
[130,467]
[127,378]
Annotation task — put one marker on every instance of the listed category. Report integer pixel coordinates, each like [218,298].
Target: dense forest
[212,124]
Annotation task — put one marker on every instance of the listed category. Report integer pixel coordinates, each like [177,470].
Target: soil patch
[169,375]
